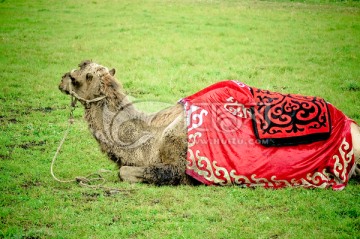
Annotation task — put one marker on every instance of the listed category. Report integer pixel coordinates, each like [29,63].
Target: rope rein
[84,181]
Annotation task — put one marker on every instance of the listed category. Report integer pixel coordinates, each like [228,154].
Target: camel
[147,148]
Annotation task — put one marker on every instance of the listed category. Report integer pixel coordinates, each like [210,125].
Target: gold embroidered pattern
[220,175]
[342,161]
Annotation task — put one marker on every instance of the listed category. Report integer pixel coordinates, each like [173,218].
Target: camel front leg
[132,174]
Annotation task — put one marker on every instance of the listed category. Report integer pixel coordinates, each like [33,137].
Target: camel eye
[89,76]
[74,81]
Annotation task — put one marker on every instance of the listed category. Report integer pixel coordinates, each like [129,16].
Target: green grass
[163,51]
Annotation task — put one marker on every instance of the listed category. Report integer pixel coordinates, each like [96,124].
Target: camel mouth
[66,79]
[65,91]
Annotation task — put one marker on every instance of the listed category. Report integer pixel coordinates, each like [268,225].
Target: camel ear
[112,71]
[89,76]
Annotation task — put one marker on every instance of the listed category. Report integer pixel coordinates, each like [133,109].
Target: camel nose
[62,88]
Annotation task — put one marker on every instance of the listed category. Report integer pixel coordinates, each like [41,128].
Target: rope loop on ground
[90,180]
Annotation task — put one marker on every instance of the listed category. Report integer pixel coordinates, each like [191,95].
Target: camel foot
[132,174]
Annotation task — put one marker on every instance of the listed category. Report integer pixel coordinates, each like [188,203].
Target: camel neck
[115,126]
[112,110]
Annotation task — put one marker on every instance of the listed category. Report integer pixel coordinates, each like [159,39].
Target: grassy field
[163,51]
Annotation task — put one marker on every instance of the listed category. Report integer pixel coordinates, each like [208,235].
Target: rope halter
[82,100]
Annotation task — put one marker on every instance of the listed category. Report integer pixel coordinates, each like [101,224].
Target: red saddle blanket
[228,139]
[280,119]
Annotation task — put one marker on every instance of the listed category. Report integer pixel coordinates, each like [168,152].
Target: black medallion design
[288,119]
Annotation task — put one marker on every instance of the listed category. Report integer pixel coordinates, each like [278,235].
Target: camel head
[89,81]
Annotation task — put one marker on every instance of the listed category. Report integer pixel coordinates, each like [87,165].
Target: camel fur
[148,148]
